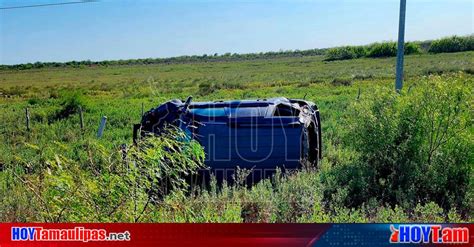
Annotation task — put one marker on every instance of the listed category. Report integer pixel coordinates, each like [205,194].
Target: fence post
[102,126]
[358,94]
[81,118]
[27,114]
[123,148]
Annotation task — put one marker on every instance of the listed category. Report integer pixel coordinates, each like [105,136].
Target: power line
[46,4]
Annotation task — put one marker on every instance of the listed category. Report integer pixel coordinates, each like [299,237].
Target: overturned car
[260,134]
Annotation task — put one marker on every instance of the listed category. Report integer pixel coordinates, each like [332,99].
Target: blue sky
[139,29]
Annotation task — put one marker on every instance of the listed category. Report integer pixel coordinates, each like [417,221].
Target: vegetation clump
[376,50]
[452,44]
[108,185]
[346,52]
[71,103]
[407,148]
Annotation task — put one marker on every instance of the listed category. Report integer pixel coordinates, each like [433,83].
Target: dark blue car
[257,134]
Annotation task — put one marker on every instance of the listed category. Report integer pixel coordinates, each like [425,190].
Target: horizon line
[233,53]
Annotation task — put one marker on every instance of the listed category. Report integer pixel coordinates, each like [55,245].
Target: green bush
[452,44]
[389,49]
[430,212]
[346,52]
[408,148]
[70,104]
[412,48]
[389,215]
[384,49]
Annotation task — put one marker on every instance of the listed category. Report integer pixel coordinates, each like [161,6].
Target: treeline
[389,49]
[172,60]
[384,49]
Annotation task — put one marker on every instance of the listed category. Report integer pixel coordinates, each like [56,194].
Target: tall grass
[112,185]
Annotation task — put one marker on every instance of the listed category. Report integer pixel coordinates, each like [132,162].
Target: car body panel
[254,134]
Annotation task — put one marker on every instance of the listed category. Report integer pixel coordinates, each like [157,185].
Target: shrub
[346,52]
[34,101]
[452,44]
[70,104]
[389,215]
[386,49]
[413,147]
[412,48]
[389,49]
[348,215]
[430,212]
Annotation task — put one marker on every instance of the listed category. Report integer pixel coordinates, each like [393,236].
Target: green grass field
[58,172]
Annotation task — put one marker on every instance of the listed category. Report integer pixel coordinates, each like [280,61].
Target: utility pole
[401,46]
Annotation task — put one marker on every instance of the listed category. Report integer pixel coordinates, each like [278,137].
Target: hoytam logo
[429,234]
[74,234]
